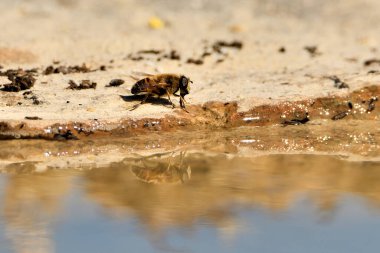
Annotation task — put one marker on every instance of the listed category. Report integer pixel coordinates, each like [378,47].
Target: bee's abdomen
[140,86]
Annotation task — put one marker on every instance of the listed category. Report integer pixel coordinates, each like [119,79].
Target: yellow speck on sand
[156,23]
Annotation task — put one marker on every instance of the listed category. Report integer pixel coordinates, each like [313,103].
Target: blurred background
[88,29]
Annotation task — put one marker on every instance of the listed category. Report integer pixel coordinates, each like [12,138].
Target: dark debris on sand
[20,79]
[296,121]
[338,83]
[68,135]
[216,48]
[218,45]
[194,61]
[115,83]
[28,95]
[312,50]
[371,104]
[371,62]
[33,118]
[154,54]
[340,115]
[84,84]
[66,69]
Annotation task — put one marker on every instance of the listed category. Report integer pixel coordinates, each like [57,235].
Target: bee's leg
[142,102]
[182,103]
[183,98]
[145,98]
[167,93]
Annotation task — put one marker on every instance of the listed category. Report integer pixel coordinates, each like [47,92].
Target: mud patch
[11,55]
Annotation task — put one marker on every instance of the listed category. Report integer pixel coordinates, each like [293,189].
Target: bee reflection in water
[156,170]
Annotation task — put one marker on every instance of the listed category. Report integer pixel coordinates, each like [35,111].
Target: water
[193,201]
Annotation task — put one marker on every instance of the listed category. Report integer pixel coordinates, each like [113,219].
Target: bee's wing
[139,73]
[155,88]
[136,75]
[162,85]
[148,86]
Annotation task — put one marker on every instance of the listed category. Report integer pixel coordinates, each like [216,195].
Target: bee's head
[184,85]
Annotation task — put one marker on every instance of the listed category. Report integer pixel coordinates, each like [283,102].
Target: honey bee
[163,85]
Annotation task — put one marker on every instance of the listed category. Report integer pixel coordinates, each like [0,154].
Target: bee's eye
[184,81]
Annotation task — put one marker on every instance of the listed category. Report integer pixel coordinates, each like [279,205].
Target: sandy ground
[37,33]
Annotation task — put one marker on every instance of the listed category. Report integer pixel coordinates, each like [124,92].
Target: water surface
[194,202]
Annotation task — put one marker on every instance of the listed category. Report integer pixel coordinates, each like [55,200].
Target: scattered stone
[371,104]
[28,95]
[159,54]
[340,115]
[195,61]
[303,120]
[85,84]
[32,118]
[135,58]
[371,61]
[173,55]
[68,135]
[282,50]
[218,45]
[205,54]
[312,50]
[338,83]
[20,79]
[115,83]
[66,69]
[150,51]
